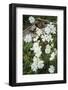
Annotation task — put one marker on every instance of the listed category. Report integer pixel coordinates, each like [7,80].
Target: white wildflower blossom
[47,30]
[35,44]
[35,59]
[40,64]
[51,69]
[28,38]
[31,49]
[37,49]
[38,54]
[31,19]
[37,64]
[50,29]
[51,25]
[52,45]
[53,55]
[51,39]
[53,31]
[35,38]
[53,28]
[48,37]
[48,49]
[34,67]
[38,31]
[43,37]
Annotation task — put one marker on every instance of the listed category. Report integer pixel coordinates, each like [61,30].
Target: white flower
[38,53]
[52,56]
[35,38]
[28,38]
[34,67]
[35,44]
[53,28]
[51,69]
[43,37]
[48,49]
[37,64]
[31,19]
[40,64]
[48,37]
[38,31]
[35,59]
[50,29]
[47,30]
[52,45]
[51,39]
[53,31]
[37,49]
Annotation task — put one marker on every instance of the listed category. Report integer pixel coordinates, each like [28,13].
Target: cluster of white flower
[37,64]
[35,38]
[49,38]
[28,38]
[53,54]
[50,29]
[31,19]
[37,49]
[52,45]
[51,69]
[46,36]
[48,49]
[47,30]
[38,31]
